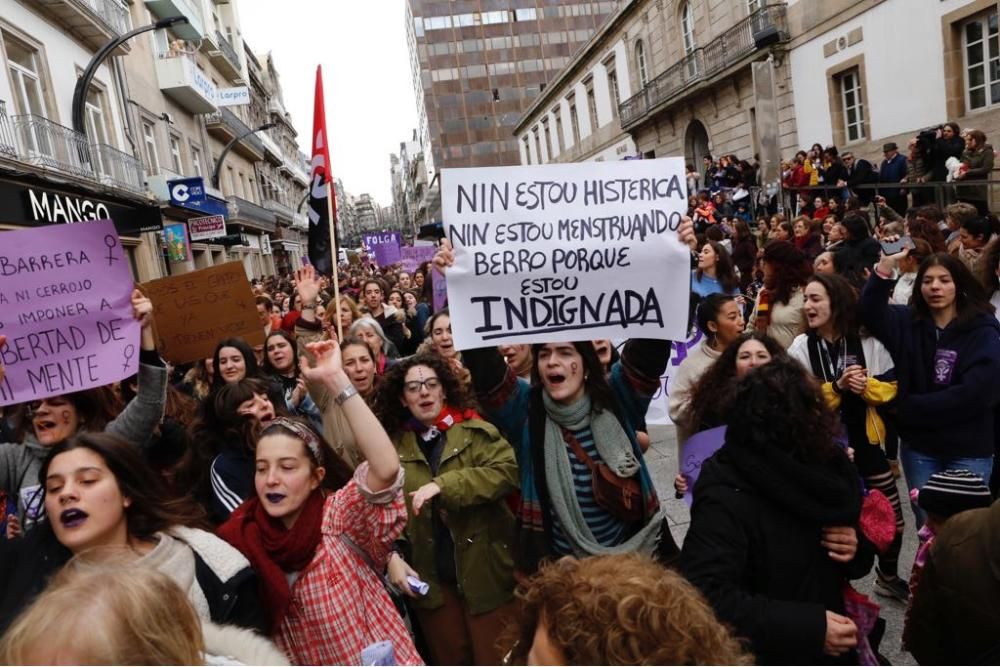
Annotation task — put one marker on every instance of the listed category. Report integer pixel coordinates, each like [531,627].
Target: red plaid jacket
[338,605]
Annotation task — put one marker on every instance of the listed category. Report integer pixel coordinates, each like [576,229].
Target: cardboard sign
[208,227]
[384,246]
[65,309]
[414,256]
[194,311]
[695,452]
[567,252]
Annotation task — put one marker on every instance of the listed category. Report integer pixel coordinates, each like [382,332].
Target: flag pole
[331,192]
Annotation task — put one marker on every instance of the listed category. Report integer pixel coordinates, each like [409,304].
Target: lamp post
[83,83]
[229,147]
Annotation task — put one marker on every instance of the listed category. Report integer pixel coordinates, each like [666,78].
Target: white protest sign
[566,252]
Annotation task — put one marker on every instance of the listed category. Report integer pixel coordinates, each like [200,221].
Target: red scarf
[763,318]
[274,550]
[447,418]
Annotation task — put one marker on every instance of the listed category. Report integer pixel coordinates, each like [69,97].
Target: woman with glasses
[459,472]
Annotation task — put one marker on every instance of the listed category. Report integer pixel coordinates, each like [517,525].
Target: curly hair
[791,268]
[714,392]
[387,404]
[619,610]
[780,405]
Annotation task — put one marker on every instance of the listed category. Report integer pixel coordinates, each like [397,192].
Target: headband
[304,432]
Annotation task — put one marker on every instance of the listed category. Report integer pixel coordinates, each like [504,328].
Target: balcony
[300,222]
[180,79]
[284,213]
[247,213]
[194,30]
[225,126]
[222,54]
[703,65]
[271,150]
[95,22]
[295,170]
[39,142]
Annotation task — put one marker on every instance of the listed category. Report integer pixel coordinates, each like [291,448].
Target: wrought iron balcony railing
[730,47]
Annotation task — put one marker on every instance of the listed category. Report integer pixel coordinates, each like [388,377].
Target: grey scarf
[615,449]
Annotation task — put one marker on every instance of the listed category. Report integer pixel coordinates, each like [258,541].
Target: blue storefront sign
[190,193]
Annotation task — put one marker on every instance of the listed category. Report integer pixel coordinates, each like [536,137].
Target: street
[662,461]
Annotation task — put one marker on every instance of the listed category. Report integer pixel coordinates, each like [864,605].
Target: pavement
[662,461]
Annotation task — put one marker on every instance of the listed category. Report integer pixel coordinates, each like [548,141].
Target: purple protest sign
[414,256]
[384,246]
[65,309]
[439,289]
[695,452]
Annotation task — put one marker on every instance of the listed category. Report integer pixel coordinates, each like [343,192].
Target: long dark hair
[152,509]
[988,266]
[249,360]
[780,405]
[791,268]
[266,366]
[708,311]
[713,393]
[595,383]
[724,272]
[388,405]
[843,302]
[971,299]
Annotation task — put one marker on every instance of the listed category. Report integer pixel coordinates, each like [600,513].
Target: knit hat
[952,491]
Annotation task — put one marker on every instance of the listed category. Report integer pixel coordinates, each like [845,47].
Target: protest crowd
[348,487]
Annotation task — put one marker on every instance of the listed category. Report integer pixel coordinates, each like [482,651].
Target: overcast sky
[361,45]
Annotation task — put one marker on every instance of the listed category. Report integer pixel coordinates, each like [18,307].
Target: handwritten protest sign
[567,252]
[695,451]
[384,246]
[194,311]
[414,256]
[65,310]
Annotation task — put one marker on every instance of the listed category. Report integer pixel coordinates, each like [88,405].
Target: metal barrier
[941,193]
[118,169]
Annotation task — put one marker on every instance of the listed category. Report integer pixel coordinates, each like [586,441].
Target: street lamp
[229,147]
[83,83]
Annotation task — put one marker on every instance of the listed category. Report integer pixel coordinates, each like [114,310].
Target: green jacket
[477,472]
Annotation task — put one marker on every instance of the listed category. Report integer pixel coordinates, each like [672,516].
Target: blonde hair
[333,311]
[620,610]
[107,616]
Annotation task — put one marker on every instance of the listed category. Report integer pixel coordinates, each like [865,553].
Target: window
[687,27]
[752,6]
[196,161]
[175,155]
[574,121]
[529,14]
[149,139]
[96,127]
[640,62]
[548,137]
[559,129]
[26,85]
[854,110]
[616,96]
[592,106]
[982,62]
[538,146]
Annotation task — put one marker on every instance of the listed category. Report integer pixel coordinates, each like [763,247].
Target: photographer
[946,144]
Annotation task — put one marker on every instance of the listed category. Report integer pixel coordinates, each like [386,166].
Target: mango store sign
[65,310]
[567,252]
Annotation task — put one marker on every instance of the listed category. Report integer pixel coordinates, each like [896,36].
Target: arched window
[640,62]
[687,27]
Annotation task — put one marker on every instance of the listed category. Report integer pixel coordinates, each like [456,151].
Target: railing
[284,211]
[8,145]
[38,141]
[731,46]
[247,210]
[44,143]
[226,117]
[116,168]
[111,12]
[227,49]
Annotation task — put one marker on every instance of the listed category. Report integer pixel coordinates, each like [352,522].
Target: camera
[926,139]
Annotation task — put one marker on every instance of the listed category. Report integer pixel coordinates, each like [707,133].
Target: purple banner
[384,246]
[440,289]
[65,309]
[695,452]
[414,256]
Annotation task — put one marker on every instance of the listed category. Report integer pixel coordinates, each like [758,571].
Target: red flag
[321,187]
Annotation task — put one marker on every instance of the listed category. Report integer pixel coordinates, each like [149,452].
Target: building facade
[163,107]
[478,64]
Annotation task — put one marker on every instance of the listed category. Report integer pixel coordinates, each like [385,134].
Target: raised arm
[372,440]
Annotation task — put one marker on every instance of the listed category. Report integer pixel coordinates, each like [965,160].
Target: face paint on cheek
[574,368]
[65,417]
